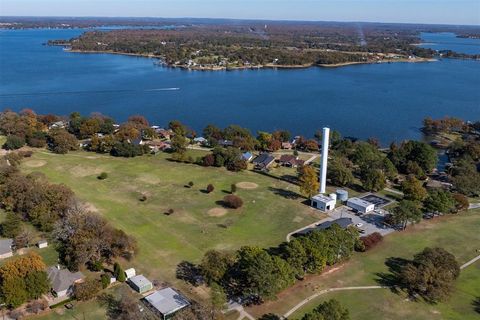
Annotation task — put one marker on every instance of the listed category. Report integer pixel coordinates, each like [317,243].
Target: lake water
[387,101]
[449,41]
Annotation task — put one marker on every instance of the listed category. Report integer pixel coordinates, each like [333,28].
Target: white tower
[324,160]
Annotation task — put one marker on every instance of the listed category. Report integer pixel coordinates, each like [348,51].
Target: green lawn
[164,241]
[458,234]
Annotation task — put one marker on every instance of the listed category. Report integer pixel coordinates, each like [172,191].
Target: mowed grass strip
[165,240]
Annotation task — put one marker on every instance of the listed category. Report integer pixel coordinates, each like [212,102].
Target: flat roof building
[360,205]
[323,203]
[341,222]
[140,283]
[166,302]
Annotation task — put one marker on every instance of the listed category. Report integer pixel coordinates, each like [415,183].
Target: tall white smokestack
[324,160]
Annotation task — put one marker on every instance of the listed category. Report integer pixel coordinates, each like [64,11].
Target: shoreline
[266,66]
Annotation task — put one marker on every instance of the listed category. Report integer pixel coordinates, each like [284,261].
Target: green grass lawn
[458,234]
[164,241]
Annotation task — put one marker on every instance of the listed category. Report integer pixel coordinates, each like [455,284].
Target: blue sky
[424,11]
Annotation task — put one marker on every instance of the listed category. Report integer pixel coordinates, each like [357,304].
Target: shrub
[190,184]
[233,201]
[87,289]
[371,240]
[210,188]
[14,143]
[103,176]
[208,160]
[25,154]
[96,266]
[118,272]
[143,198]
[105,279]
[169,212]
[233,188]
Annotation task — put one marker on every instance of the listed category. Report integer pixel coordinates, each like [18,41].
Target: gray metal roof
[167,301]
[359,202]
[140,281]
[62,279]
[6,246]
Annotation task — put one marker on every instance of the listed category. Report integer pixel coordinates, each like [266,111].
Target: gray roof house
[6,248]
[263,161]
[166,302]
[62,280]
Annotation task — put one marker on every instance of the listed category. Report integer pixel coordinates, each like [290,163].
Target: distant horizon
[446,12]
[233,19]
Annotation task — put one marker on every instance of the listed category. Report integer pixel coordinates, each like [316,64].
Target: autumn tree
[413,189]
[60,141]
[308,181]
[23,279]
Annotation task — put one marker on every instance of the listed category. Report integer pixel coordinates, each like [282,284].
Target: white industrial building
[360,205]
[323,203]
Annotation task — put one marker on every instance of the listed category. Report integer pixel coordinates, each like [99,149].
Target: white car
[359,225]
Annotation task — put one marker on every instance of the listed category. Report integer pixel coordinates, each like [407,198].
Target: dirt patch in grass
[217,212]
[90,207]
[83,171]
[149,179]
[247,185]
[35,163]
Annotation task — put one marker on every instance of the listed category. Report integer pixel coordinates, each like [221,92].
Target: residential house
[247,156]
[164,133]
[263,161]
[63,280]
[225,143]
[200,140]
[287,146]
[6,250]
[290,161]
[166,302]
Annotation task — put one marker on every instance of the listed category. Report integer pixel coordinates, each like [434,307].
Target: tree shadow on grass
[392,278]
[476,304]
[189,273]
[287,194]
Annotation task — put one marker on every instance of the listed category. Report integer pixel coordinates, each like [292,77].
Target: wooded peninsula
[249,45]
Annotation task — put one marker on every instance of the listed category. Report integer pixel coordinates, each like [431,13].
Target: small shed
[42,244]
[140,284]
[323,203]
[166,302]
[360,205]
[130,273]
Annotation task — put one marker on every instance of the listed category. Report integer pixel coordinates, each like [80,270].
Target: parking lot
[370,222]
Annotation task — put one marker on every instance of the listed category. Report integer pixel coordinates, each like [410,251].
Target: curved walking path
[466,264]
[324,291]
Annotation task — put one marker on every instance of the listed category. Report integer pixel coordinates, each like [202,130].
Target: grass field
[198,223]
[458,234]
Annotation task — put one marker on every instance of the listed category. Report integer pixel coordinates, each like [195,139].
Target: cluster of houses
[163,302]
